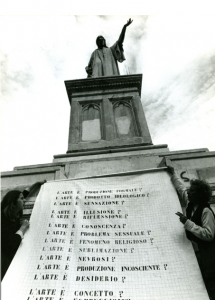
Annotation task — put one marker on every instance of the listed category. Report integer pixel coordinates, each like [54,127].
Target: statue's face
[100,41]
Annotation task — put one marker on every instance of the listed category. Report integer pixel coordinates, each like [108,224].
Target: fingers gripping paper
[106,239]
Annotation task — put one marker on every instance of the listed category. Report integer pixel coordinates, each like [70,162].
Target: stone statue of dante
[103,61]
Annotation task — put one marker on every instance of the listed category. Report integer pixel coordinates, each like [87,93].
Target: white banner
[106,239]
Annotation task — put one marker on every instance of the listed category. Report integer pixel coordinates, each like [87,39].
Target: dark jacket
[10,241]
[206,249]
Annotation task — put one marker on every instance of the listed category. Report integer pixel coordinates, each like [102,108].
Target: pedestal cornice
[105,82]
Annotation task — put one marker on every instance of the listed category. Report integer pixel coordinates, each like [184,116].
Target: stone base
[106,112]
[195,163]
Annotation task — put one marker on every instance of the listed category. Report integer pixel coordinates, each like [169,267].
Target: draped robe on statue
[103,62]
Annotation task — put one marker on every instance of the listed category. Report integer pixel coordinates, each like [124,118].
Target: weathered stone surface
[100,167]
[91,130]
[193,160]
[122,120]
[207,174]
[103,83]
[111,153]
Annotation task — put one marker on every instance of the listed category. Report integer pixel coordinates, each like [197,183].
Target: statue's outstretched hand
[88,70]
[128,22]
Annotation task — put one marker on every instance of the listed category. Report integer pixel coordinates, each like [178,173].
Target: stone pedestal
[106,112]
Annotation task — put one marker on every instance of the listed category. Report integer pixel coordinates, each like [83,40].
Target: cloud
[12,79]
[104,17]
[133,43]
[178,100]
[54,60]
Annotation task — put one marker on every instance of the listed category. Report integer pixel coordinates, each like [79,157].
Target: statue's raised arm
[122,35]
[103,61]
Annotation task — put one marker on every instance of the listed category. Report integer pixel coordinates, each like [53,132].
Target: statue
[103,61]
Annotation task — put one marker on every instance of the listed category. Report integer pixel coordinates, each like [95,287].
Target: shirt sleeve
[182,190]
[19,232]
[207,231]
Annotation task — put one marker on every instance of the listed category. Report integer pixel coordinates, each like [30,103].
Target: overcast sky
[175,54]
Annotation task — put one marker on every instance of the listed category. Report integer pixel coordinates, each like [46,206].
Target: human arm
[12,234]
[122,34]
[179,186]
[181,189]
[30,189]
[169,166]
[205,232]
[10,241]
[24,226]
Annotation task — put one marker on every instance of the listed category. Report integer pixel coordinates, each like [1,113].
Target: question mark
[113,259]
[119,211]
[126,216]
[165,266]
[120,294]
[151,240]
[132,249]
[123,279]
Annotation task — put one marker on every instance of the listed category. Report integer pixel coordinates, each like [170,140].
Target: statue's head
[100,42]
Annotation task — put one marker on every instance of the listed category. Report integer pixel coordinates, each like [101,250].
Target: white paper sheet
[106,239]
